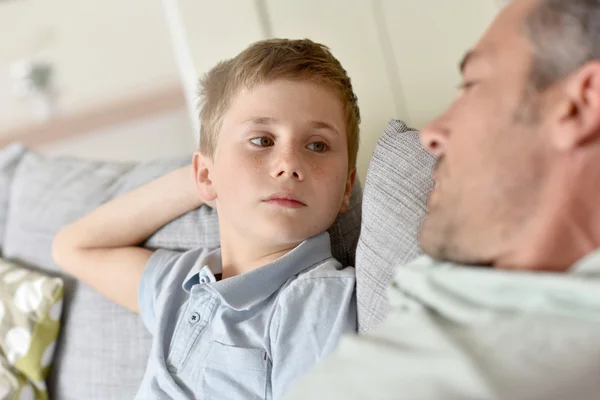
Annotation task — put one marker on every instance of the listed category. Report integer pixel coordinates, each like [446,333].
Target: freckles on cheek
[243,162]
[257,163]
[317,170]
[250,161]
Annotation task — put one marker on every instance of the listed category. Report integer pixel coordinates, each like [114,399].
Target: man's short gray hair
[565,35]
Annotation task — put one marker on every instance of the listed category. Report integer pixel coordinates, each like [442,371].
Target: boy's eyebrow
[261,120]
[273,121]
[323,125]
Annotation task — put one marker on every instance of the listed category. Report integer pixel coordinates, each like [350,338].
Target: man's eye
[262,141]
[319,147]
[466,85]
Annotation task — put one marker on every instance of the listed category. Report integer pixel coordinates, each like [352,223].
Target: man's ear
[202,171]
[348,191]
[579,110]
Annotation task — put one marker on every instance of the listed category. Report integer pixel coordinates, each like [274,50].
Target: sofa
[102,348]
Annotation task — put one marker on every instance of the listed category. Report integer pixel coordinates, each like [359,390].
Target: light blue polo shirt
[247,337]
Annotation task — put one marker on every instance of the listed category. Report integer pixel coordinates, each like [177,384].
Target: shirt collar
[246,290]
[588,265]
[471,294]
[204,270]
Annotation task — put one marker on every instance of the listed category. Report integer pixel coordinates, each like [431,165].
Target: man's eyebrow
[466,59]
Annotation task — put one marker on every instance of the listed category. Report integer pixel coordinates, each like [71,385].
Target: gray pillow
[103,348]
[398,184]
[9,159]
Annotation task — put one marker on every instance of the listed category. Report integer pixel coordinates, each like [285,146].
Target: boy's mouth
[286,200]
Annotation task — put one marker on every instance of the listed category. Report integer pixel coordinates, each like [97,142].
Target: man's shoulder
[422,263]
[423,260]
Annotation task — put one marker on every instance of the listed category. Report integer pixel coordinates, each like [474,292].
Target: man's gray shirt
[247,337]
[457,332]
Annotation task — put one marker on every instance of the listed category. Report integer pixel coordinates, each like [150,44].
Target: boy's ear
[348,191]
[202,171]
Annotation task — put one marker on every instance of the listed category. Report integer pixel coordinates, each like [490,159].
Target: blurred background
[116,80]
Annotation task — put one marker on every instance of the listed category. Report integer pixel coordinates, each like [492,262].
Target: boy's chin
[289,233]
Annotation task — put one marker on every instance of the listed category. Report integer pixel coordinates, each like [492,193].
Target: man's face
[280,170]
[491,154]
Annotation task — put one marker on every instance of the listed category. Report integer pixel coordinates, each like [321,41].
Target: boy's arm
[102,249]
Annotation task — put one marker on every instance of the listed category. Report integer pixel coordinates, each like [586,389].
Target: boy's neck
[241,256]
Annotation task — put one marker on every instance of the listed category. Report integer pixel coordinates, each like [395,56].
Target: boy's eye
[262,141]
[319,147]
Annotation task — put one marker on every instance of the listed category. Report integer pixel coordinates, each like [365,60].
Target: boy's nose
[286,173]
[289,167]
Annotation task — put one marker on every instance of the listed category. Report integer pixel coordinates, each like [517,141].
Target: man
[517,190]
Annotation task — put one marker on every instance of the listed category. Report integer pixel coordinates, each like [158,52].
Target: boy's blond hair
[266,61]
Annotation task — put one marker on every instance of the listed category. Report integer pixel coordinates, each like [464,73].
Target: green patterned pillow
[30,309]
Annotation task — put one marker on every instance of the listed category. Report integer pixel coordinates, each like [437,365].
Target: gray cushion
[103,348]
[398,184]
[9,159]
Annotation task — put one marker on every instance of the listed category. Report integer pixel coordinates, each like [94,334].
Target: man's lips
[285,200]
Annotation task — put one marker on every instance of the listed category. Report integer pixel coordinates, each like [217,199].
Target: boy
[277,157]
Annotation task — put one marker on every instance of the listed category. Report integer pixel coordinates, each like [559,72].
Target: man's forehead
[511,19]
[505,34]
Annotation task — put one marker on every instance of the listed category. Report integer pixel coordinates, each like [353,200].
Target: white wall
[428,40]
[101,49]
[400,54]
[165,135]
[204,32]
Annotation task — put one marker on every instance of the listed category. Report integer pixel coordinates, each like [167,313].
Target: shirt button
[194,318]
[204,279]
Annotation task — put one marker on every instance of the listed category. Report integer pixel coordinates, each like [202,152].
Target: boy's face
[280,170]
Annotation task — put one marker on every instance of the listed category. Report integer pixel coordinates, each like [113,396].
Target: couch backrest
[398,184]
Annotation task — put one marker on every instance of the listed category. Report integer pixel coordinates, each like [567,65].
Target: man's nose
[433,137]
